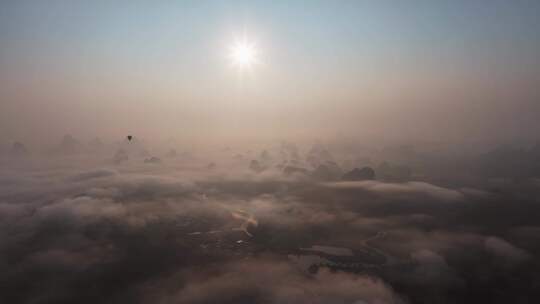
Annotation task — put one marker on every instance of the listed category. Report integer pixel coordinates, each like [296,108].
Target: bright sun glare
[243,54]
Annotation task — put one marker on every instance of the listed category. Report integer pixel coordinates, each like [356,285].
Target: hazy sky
[454,70]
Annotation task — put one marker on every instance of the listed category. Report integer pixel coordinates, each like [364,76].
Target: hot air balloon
[129,137]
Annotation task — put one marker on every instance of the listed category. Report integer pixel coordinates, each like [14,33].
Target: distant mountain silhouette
[256,166]
[265,156]
[289,151]
[318,155]
[18,149]
[291,170]
[172,153]
[69,145]
[120,156]
[152,160]
[366,173]
[327,171]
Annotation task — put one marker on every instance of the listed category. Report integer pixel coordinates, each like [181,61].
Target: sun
[243,54]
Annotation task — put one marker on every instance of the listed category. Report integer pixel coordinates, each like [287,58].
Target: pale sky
[398,69]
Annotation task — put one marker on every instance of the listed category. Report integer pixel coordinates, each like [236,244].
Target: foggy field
[270,152]
[85,227]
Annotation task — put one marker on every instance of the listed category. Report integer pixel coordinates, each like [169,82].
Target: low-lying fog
[280,222]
